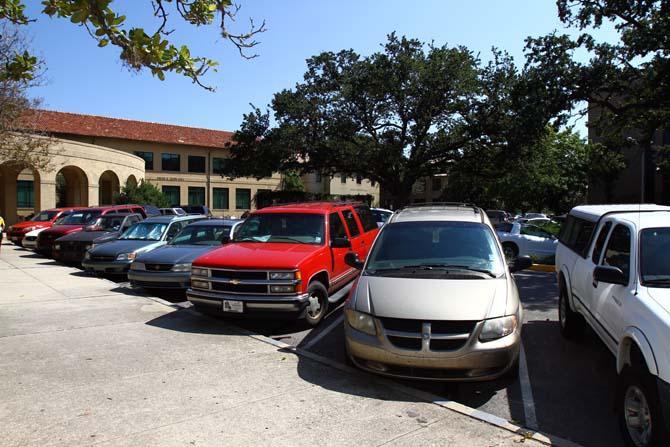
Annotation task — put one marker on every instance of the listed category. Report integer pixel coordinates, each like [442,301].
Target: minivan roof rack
[472,206]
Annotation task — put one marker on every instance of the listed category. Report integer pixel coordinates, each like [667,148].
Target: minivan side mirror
[340,242]
[351,259]
[520,263]
[610,275]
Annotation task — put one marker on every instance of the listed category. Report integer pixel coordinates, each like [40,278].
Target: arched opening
[71,187]
[132,181]
[108,188]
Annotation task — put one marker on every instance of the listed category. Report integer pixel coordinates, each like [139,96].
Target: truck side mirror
[520,263]
[340,242]
[609,275]
[351,259]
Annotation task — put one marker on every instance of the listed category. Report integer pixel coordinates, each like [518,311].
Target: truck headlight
[361,322]
[282,289]
[199,271]
[496,328]
[185,267]
[196,284]
[126,256]
[283,275]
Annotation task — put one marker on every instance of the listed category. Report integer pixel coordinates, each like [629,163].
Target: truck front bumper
[253,305]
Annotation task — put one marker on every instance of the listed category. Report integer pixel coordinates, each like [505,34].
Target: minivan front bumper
[474,361]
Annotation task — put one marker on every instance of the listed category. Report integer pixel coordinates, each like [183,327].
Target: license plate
[233,306]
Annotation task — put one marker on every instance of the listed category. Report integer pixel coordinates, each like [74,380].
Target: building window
[343,178]
[170,162]
[148,158]
[221,199]
[242,198]
[318,177]
[25,194]
[196,195]
[359,179]
[218,165]
[437,184]
[196,163]
[173,194]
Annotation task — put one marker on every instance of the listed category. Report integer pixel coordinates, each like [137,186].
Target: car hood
[62,230]
[29,223]
[661,295]
[175,254]
[259,255]
[35,232]
[123,246]
[89,236]
[431,299]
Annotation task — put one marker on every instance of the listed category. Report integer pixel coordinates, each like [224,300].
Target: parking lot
[565,389]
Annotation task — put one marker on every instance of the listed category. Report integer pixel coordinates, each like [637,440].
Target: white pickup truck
[613,272]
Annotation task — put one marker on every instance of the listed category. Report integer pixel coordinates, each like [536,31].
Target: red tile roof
[100,126]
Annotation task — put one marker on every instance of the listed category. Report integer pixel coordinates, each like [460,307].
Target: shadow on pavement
[573,385]
[537,293]
[185,321]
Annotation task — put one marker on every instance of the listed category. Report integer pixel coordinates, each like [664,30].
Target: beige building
[339,184]
[93,157]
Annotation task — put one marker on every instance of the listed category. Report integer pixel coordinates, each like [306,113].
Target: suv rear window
[576,234]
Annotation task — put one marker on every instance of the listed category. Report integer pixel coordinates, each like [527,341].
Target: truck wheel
[640,417]
[317,303]
[572,325]
[510,250]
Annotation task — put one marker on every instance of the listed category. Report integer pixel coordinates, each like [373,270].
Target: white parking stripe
[333,324]
[526,392]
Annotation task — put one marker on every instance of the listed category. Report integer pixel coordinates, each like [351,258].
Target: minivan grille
[409,334]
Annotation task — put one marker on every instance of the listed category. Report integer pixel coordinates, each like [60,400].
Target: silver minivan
[435,299]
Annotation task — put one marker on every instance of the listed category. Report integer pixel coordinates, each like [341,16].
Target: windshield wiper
[288,238]
[450,266]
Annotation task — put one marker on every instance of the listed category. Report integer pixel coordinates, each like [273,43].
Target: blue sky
[82,78]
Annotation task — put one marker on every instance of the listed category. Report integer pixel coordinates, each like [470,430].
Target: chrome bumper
[252,303]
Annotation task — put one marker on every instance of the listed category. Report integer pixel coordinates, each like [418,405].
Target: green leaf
[103,43]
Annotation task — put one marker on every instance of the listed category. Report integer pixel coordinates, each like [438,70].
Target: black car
[72,247]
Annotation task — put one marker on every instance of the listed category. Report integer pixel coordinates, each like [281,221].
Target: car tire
[572,324]
[317,304]
[510,251]
[637,396]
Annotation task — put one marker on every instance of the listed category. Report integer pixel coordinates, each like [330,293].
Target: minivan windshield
[81,217]
[654,248]
[145,231]
[288,228]
[430,248]
[44,216]
[201,235]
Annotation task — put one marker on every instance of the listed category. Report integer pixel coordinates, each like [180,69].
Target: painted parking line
[333,324]
[527,392]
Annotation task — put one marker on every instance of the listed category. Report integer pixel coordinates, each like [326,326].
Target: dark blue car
[169,267]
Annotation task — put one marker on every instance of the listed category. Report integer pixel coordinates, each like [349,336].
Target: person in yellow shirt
[2,228]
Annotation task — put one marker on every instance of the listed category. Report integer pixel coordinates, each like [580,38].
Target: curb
[543,268]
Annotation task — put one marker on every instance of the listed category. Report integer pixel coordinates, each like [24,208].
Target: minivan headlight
[361,322]
[496,328]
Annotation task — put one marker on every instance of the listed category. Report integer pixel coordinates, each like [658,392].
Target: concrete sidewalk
[85,362]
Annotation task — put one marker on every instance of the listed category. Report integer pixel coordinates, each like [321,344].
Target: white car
[613,271]
[30,239]
[381,215]
[520,239]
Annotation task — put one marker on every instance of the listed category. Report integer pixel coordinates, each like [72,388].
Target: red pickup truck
[44,219]
[284,260]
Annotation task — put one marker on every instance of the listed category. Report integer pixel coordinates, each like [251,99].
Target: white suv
[613,271]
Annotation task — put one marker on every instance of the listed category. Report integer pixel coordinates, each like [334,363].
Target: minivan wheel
[317,303]
[572,325]
[639,410]
[510,250]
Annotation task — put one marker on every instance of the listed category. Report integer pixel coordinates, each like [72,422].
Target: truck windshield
[145,231]
[436,249]
[44,216]
[654,248]
[201,235]
[283,228]
[81,217]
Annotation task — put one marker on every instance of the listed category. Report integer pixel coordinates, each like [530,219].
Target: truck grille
[240,274]
[240,288]
[429,335]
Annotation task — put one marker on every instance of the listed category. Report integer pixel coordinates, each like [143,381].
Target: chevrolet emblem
[235,281]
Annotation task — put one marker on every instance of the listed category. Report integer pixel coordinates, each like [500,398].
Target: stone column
[9,192]
[47,192]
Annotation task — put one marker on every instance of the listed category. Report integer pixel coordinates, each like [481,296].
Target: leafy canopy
[139,47]
[144,193]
